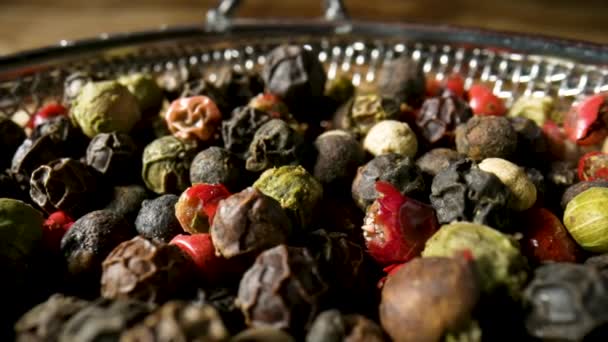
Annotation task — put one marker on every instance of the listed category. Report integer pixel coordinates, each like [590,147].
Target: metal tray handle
[218,19]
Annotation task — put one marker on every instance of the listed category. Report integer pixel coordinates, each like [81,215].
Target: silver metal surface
[513,65]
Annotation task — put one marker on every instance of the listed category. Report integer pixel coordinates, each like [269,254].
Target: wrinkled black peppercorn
[156,219]
[216,165]
[238,131]
[463,192]
[567,302]
[247,222]
[282,289]
[439,117]
[179,321]
[67,185]
[338,156]
[114,155]
[90,239]
[393,168]
[238,86]
[45,321]
[11,136]
[145,270]
[126,200]
[486,137]
[274,144]
[104,320]
[531,142]
[437,159]
[402,79]
[223,300]
[295,75]
[332,326]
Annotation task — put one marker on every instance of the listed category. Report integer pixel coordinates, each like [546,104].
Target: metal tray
[513,64]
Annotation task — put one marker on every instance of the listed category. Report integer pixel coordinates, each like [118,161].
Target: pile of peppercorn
[282,206]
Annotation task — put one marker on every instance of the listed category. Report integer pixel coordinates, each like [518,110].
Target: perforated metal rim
[513,64]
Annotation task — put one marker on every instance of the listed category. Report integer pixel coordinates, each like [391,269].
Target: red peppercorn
[48,111]
[593,166]
[455,84]
[53,229]
[484,102]
[546,239]
[586,122]
[196,206]
[433,87]
[396,227]
[210,267]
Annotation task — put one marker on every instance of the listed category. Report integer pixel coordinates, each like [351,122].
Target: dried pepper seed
[197,205]
[439,117]
[437,159]
[145,270]
[332,326]
[577,188]
[484,102]
[149,95]
[593,166]
[586,218]
[537,109]
[403,80]
[114,155]
[523,191]
[271,104]
[48,111]
[391,136]
[216,165]
[338,156]
[156,219]
[54,228]
[238,131]
[238,86]
[359,114]
[127,200]
[195,118]
[274,144]
[486,137]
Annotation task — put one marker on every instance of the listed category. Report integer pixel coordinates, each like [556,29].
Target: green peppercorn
[340,89]
[537,109]
[586,218]
[365,110]
[296,190]
[148,93]
[497,256]
[20,228]
[166,164]
[103,107]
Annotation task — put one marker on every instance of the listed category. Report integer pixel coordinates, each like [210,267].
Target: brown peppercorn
[402,79]
[145,270]
[439,116]
[179,321]
[68,185]
[90,239]
[262,334]
[339,155]
[104,320]
[437,159]
[332,326]
[427,297]
[486,137]
[282,289]
[44,321]
[248,221]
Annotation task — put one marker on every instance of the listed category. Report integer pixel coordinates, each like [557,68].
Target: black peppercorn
[45,321]
[282,289]
[238,131]
[145,270]
[439,117]
[90,239]
[127,200]
[247,222]
[531,142]
[392,168]
[567,302]
[201,87]
[486,137]
[402,79]
[295,74]
[332,326]
[437,159]
[463,192]
[67,185]
[11,136]
[239,86]
[114,155]
[156,219]
[179,321]
[223,300]
[216,165]
[104,320]
[338,156]
[274,144]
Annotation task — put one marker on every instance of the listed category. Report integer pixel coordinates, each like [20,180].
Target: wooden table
[31,23]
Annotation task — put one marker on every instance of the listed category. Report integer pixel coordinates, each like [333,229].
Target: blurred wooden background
[31,23]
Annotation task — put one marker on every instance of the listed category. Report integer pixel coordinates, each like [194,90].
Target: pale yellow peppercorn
[515,178]
[391,136]
[537,109]
[586,218]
